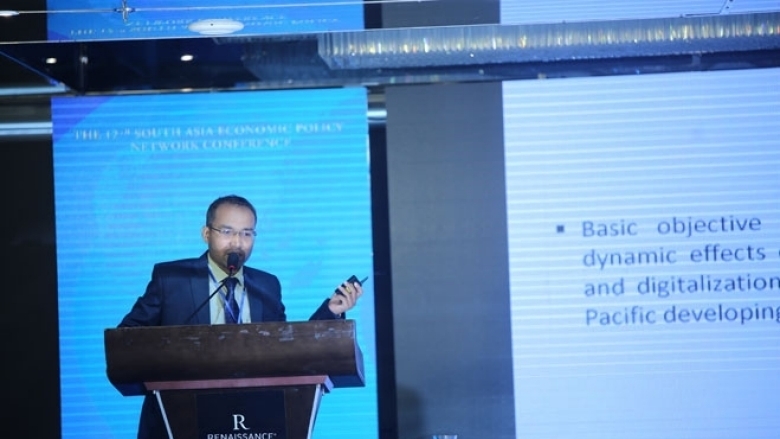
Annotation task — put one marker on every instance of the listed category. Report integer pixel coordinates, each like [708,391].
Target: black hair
[228,199]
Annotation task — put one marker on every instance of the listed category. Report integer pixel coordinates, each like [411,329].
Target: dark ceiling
[14,74]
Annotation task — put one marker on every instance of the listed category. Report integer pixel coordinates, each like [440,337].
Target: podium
[254,380]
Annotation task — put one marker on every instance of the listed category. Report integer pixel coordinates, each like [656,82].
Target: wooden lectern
[254,380]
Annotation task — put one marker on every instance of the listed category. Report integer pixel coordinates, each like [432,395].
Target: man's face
[233,219]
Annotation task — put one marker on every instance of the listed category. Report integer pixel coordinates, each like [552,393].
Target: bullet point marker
[559,228]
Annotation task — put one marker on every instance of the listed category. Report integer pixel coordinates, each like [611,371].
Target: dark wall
[449,261]
[440,13]
[447,221]
[29,311]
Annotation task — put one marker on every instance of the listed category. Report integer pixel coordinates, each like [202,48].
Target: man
[178,293]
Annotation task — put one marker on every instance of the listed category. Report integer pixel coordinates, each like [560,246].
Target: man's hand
[345,298]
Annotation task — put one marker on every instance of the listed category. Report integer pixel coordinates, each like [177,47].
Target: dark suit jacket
[176,290]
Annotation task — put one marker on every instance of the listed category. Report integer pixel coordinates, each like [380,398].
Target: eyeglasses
[227,232]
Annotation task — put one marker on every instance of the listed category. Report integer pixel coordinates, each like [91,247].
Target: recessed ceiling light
[51,60]
[8,13]
[216,26]
[187,57]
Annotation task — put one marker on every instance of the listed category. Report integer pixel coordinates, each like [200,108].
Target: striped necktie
[232,313]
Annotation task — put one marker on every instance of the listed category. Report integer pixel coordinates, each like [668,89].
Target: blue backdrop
[133,178]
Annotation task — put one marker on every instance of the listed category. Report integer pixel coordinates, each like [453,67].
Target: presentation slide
[525,12]
[134,176]
[644,246]
[84,20]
